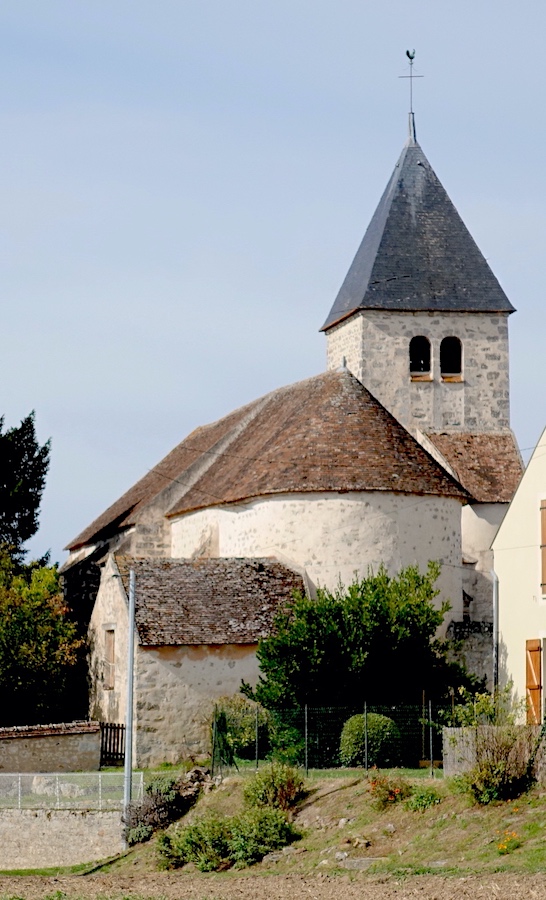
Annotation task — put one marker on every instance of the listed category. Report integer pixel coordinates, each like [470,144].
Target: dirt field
[274,887]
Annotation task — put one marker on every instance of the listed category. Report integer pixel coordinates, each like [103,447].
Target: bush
[214,843]
[236,716]
[277,785]
[166,798]
[205,843]
[423,798]
[383,741]
[257,832]
[388,789]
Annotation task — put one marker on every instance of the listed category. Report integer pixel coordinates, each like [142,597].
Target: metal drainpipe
[127,786]
[495,629]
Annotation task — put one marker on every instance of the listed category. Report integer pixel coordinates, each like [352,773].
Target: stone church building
[399,453]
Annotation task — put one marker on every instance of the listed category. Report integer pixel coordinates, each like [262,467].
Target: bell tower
[420,318]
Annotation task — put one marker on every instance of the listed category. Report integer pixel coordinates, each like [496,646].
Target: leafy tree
[23,468]
[39,645]
[374,641]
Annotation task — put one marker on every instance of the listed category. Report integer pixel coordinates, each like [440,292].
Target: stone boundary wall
[39,838]
[51,748]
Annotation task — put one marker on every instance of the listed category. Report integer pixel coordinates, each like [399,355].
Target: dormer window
[419,358]
[451,359]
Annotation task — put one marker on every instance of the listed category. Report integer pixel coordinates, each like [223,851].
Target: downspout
[495,629]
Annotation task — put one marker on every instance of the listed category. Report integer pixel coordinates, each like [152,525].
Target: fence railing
[112,744]
[70,790]
[310,736]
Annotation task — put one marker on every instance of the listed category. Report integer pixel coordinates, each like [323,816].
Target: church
[400,452]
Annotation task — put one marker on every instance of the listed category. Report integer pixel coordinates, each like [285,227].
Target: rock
[389,828]
[342,823]
[341,854]
[361,862]
[273,857]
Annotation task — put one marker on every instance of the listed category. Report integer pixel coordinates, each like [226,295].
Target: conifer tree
[23,469]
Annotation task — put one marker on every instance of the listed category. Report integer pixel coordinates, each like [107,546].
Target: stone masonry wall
[332,535]
[55,752]
[40,838]
[376,347]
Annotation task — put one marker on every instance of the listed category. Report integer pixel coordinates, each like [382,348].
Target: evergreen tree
[374,640]
[23,469]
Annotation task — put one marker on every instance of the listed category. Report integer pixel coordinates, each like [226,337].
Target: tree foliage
[23,468]
[39,645]
[374,640]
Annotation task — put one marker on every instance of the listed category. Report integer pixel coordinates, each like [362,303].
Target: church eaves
[417,253]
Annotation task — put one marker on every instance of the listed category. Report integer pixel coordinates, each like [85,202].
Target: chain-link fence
[70,790]
[310,736]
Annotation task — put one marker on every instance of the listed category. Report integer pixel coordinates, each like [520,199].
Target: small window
[451,356]
[419,354]
[109,660]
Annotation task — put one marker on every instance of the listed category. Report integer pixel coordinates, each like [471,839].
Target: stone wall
[39,838]
[175,690]
[50,748]
[332,536]
[376,347]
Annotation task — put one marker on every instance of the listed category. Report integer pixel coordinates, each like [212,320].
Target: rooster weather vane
[411,56]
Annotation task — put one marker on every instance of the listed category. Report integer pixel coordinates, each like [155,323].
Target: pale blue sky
[183,186]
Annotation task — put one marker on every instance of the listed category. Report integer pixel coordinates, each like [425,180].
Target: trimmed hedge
[383,741]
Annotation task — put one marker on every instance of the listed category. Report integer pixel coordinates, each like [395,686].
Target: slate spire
[417,253]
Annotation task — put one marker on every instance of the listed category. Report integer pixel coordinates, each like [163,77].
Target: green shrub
[204,843]
[257,832]
[276,785]
[388,789]
[423,798]
[214,843]
[236,718]
[383,741]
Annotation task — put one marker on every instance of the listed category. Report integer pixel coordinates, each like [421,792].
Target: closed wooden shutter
[543,545]
[533,679]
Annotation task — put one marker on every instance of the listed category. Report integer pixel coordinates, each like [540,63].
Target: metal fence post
[257,739]
[213,743]
[306,744]
[19,793]
[57,797]
[430,738]
[365,736]
[100,790]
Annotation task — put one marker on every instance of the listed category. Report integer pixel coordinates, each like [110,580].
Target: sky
[184,184]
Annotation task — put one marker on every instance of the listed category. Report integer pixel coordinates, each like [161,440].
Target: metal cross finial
[411,56]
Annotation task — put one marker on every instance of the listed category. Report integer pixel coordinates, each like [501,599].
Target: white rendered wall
[333,535]
[522,608]
[480,523]
[376,347]
[110,612]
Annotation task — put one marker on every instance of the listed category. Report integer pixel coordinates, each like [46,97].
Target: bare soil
[185,886]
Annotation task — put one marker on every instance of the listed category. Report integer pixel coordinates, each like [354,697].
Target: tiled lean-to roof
[207,601]
[489,466]
[417,253]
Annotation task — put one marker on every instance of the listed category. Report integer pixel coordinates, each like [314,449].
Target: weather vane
[411,56]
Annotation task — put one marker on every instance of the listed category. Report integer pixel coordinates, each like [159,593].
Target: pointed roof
[417,253]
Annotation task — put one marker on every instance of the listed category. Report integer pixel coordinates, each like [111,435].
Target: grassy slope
[451,837]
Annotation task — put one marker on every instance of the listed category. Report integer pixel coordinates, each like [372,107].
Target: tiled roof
[489,466]
[177,465]
[327,433]
[207,601]
[58,730]
[417,253]
[324,434]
